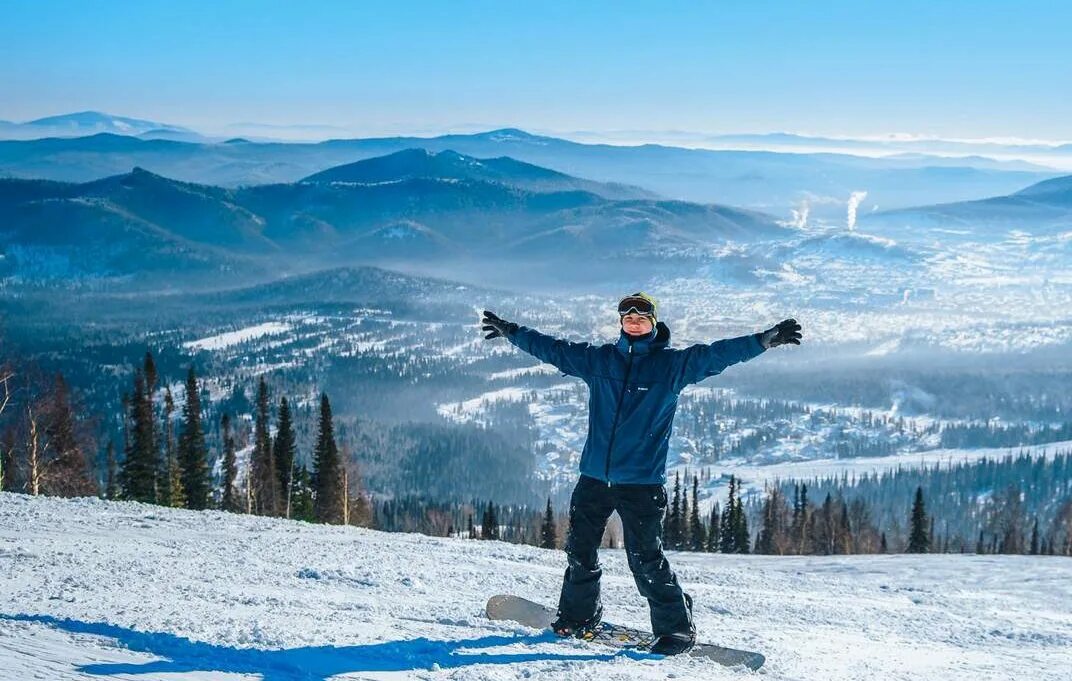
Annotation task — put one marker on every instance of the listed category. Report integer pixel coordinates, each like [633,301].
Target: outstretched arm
[570,358]
[700,361]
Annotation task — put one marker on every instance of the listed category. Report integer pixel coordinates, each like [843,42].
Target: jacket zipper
[617,411]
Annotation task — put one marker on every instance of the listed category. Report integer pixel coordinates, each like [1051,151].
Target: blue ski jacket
[633,389]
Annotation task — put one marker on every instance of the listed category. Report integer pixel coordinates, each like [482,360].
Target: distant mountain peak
[509,135]
[1054,186]
[417,163]
[82,123]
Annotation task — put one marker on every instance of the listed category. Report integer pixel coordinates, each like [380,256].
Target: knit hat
[640,301]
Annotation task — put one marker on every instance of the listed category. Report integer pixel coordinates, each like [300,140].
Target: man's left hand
[781,334]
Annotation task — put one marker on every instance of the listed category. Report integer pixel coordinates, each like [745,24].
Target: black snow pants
[641,508]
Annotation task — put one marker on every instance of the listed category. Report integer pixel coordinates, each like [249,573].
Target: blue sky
[953,69]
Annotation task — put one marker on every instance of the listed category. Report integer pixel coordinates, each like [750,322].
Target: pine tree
[138,474]
[1034,550]
[697,536]
[883,547]
[489,526]
[193,453]
[327,469]
[547,529]
[800,528]
[161,481]
[673,538]
[175,492]
[771,537]
[727,524]
[713,535]
[266,490]
[302,505]
[918,539]
[844,543]
[740,523]
[229,499]
[471,530]
[68,471]
[683,518]
[111,487]
[283,450]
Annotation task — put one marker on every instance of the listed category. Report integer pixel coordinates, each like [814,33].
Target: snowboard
[523,611]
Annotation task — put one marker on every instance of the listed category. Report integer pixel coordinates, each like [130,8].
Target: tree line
[1013,504]
[1019,504]
[46,450]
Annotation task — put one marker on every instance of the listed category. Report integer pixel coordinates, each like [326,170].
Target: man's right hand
[496,327]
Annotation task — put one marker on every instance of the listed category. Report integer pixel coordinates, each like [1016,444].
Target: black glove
[496,327]
[780,334]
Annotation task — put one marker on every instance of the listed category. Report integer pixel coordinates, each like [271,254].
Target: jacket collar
[658,340]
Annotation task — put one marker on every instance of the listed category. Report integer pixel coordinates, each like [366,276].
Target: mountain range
[1042,209]
[771,182]
[408,208]
[86,123]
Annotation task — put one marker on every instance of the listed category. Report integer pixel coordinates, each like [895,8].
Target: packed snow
[224,340]
[93,589]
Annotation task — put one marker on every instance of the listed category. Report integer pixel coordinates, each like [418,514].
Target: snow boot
[678,642]
[586,630]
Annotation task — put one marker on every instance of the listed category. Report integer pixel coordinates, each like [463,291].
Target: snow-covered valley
[93,589]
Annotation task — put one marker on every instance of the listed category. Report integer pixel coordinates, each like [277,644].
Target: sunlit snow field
[91,589]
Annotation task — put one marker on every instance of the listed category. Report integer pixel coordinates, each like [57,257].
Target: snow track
[96,590]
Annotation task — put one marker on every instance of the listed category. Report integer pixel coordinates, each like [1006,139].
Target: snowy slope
[92,589]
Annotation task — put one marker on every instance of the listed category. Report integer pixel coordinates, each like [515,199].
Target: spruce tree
[673,538]
[193,453]
[713,535]
[801,521]
[683,518]
[743,538]
[844,544]
[471,530]
[111,486]
[229,498]
[697,536]
[327,469]
[68,471]
[883,547]
[175,492]
[283,451]
[266,490]
[489,526]
[138,474]
[1034,550]
[302,505]
[766,542]
[727,524]
[161,481]
[918,539]
[548,540]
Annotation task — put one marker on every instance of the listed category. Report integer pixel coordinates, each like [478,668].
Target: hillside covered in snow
[91,589]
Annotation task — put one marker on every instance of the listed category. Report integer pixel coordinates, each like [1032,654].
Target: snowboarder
[633,390]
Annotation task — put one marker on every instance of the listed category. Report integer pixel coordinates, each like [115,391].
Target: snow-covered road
[96,590]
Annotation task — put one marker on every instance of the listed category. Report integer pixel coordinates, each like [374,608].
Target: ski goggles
[636,305]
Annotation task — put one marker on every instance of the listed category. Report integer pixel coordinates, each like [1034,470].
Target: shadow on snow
[309,663]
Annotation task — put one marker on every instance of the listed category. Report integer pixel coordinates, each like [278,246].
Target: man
[633,390]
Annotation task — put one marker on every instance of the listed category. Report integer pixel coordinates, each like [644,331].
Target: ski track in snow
[95,590]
